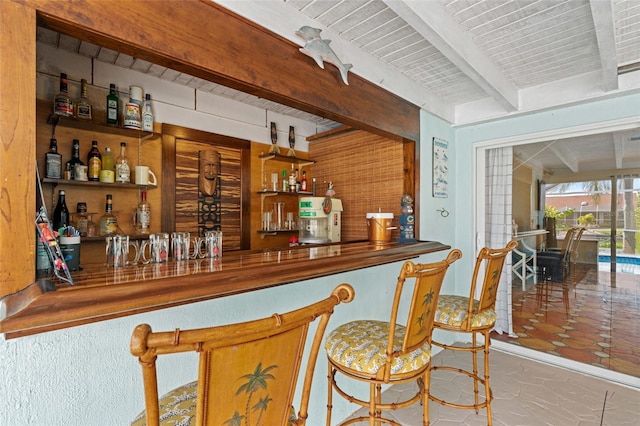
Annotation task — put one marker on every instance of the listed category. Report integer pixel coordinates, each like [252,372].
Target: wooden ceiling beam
[207,41]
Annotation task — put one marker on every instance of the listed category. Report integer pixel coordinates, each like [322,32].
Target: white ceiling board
[464,61]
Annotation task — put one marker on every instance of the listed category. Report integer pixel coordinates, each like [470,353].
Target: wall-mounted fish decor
[320,51]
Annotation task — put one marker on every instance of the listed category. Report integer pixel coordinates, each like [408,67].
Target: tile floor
[526,393]
[590,318]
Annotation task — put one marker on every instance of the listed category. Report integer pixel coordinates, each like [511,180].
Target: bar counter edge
[100,293]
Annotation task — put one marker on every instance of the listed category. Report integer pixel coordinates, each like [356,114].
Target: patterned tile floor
[591,318]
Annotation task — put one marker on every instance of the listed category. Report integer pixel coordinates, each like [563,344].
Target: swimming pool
[630,260]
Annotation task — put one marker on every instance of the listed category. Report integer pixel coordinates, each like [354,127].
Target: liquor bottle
[107,160]
[107,165]
[82,219]
[147,114]
[53,161]
[123,170]
[108,221]
[83,106]
[303,181]
[61,212]
[297,180]
[75,158]
[292,180]
[94,160]
[62,103]
[113,106]
[285,182]
[143,214]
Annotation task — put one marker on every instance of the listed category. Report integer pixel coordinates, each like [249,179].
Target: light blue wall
[86,375]
[433,225]
[465,137]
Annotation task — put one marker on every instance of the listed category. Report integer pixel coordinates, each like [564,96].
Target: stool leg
[426,380]
[487,388]
[474,354]
[373,399]
[330,376]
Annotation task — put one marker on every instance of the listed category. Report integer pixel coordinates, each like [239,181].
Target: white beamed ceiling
[463,60]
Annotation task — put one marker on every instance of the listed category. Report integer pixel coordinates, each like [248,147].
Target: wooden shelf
[286,159]
[268,193]
[93,125]
[88,183]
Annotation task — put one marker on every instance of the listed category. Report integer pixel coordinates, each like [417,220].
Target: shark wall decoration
[319,50]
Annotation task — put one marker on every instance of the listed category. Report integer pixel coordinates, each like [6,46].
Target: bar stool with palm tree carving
[466,314]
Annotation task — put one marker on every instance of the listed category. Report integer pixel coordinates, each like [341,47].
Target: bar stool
[381,352]
[247,372]
[465,314]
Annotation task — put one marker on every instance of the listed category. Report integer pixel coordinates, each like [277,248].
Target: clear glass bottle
[53,161]
[143,214]
[123,170]
[75,158]
[147,114]
[83,106]
[61,212]
[108,221]
[94,161]
[113,106]
[62,103]
[292,179]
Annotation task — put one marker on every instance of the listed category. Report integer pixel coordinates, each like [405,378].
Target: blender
[320,220]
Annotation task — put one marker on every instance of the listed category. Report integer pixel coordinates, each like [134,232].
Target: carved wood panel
[187,194]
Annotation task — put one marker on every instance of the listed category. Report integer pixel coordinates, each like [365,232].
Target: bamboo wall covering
[367,174]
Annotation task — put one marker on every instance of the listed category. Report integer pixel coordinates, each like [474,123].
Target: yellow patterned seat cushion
[362,346]
[178,408]
[452,311]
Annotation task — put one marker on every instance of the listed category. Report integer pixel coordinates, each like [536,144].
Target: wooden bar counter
[100,293]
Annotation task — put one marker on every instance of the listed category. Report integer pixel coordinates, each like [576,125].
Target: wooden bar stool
[381,352]
[247,372]
[462,314]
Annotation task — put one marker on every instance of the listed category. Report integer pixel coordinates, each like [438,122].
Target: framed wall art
[440,168]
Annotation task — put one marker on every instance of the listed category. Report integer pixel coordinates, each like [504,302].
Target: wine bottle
[61,212]
[53,161]
[94,160]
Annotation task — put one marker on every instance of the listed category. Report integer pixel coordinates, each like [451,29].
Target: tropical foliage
[254,382]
